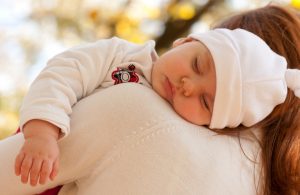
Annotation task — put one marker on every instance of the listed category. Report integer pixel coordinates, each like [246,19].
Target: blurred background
[32,31]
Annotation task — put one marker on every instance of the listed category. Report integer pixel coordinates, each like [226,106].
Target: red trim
[53,191]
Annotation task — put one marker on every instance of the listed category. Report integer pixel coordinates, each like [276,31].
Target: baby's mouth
[169,90]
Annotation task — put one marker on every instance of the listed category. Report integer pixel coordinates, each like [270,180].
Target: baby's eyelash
[195,66]
[205,103]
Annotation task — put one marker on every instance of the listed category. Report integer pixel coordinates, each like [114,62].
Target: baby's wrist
[41,135]
[40,128]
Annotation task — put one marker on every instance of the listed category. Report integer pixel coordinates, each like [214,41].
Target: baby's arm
[39,154]
[67,78]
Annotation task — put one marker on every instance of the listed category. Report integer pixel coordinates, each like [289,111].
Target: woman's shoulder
[146,148]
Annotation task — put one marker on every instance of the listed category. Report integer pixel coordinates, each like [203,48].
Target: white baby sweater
[79,72]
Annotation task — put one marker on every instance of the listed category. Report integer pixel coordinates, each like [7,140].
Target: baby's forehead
[205,53]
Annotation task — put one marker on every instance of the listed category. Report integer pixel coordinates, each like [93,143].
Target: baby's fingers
[18,163]
[54,170]
[35,171]
[45,171]
[25,168]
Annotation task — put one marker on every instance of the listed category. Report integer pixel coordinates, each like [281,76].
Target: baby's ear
[181,41]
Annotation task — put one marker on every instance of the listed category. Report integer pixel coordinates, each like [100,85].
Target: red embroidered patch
[125,75]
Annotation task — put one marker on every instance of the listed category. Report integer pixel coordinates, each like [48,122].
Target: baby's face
[185,76]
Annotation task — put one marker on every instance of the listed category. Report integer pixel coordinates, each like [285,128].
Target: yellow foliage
[123,27]
[127,28]
[137,37]
[183,11]
[8,124]
[152,13]
[296,3]
[93,14]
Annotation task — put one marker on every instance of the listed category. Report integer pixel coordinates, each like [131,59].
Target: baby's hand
[38,158]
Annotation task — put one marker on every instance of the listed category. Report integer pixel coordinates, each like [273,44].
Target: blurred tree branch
[177,28]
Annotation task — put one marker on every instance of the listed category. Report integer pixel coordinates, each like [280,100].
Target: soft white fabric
[250,77]
[79,72]
[134,143]
[292,77]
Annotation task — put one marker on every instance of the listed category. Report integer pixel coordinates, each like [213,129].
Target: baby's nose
[187,86]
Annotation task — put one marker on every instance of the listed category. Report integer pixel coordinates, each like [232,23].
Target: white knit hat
[250,77]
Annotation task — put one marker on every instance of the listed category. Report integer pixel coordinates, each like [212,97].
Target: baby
[221,78]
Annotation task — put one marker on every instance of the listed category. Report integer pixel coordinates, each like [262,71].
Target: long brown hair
[279,27]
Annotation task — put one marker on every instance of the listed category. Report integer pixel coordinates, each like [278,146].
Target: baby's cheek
[191,112]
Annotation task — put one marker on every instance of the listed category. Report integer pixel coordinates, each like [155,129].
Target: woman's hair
[279,27]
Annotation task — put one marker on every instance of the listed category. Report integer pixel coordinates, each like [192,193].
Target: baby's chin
[192,121]
[159,91]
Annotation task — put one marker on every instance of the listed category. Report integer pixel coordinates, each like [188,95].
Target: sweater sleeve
[67,78]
